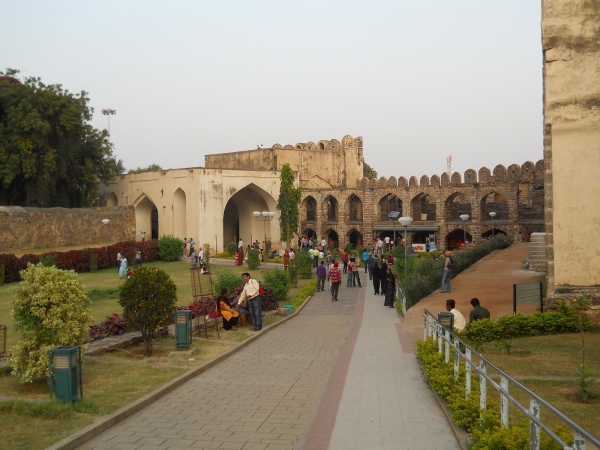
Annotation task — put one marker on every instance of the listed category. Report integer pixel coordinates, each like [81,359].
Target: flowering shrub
[50,308]
[79,260]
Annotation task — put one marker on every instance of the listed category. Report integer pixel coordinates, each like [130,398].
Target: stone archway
[333,239]
[239,221]
[355,238]
[387,204]
[455,239]
[179,214]
[112,200]
[146,218]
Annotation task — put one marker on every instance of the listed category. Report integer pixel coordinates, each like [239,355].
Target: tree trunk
[147,335]
[288,242]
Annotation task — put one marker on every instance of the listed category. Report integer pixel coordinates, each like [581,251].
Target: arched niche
[455,205]
[240,222]
[308,209]
[421,208]
[330,209]
[456,238]
[355,237]
[179,214]
[111,199]
[388,203]
[354,209]
[146,217]
[333,238]
[493,202]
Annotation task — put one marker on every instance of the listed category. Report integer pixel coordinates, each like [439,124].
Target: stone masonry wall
[29,228]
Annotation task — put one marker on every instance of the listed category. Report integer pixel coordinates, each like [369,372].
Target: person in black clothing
[478,311]
[376,276]
[382,274]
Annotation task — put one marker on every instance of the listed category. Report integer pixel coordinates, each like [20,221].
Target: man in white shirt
[323,244]
[387,243]
[459,319]
[251,293]
[379,246]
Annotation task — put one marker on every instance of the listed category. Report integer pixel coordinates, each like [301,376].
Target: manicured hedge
[79,260]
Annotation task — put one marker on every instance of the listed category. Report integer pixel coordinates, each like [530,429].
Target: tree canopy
[49,153]
[368,171]
[288,205]
[150,168]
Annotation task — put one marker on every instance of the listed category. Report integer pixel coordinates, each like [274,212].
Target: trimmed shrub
[307,291]
[253,259]
[93,262]
[148,299]
[293,272]
[48,260]
[50,308]
[279,281]
[170,248]
[232,248]
[304,263]
[227,280]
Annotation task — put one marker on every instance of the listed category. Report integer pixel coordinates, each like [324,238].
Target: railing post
[579,441]
[534,428]
[467,372]
[482,386]
[456,360]
[439,338]
[447,351]
[425,326]
[504,402]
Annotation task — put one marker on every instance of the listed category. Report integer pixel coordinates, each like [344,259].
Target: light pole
[492,215]
[392,218]
[464,218]
[267,215]
[105,222]
[109,112]
[405,222]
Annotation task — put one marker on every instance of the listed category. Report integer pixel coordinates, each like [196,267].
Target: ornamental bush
[227,280]
[279,281]
[170,248]
[253,259]
[232,248]
[50,309]
[304,263]
[148,299]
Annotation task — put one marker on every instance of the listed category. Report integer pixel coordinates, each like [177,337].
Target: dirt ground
[490,280]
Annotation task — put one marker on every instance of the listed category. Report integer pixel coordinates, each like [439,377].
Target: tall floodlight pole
[405,222]
[464,218]
[492,215]
[109,112]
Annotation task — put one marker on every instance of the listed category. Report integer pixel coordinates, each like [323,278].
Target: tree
[150,168]
[50,308]
[288,205]
[119,167]
[368,171]
[148,299]
[49,153]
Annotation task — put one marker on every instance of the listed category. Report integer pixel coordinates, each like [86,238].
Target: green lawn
[103,285]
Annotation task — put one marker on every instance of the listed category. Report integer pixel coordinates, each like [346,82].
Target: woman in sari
[123,268]
[230,315]
[390,288]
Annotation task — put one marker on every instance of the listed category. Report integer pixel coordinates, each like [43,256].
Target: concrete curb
[462,437]
[104,423]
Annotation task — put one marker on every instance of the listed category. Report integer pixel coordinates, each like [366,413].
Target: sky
[418,80]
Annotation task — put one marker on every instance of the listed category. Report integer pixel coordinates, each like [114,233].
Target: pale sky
[419,80]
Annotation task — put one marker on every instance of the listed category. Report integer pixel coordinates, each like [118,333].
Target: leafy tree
[119,167]
[288,205]
[150,168]
[305,262]
[49,153]
[368,171]
[170,248]
[148,299]
[50,308]
[253,259]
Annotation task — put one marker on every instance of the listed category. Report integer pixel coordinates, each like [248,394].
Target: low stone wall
[30,228]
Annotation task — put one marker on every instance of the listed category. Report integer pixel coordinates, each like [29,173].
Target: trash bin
[65,378]
[183,329]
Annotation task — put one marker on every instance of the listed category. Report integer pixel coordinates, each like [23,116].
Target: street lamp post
[405,222]
[392,218]
[109,112]
[464,218]
[266,215]
[492,215]
[105,222]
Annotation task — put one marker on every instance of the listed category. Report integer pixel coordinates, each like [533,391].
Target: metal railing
[446,339]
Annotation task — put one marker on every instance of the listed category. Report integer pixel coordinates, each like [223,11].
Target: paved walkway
[284,390]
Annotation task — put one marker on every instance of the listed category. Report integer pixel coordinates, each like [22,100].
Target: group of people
[249,302]
[122,264]
[478,312]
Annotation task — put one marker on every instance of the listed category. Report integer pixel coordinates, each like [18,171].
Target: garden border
[105,422]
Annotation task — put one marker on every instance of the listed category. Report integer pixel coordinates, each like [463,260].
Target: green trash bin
[65,378]
[447,320]
[183,329]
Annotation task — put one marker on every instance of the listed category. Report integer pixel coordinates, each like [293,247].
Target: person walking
[370,263]
[478,312]
[321,274]
[365,257]
[286,260]
[383,274]
[191,244]
[446,276]
[350,277]
[390,288]
[336,279]
[355,274]
[345,260]
[251,294]
[123,268]
[376,275]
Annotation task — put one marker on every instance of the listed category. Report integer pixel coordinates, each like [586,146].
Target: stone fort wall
[30,228]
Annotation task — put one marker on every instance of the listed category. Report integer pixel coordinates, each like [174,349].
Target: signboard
[417,248]
[527,293]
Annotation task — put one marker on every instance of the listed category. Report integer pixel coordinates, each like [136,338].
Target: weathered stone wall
[29,228]
[327,164]
[571,51]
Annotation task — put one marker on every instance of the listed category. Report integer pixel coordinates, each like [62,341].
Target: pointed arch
[421,208]
[455,205]
[308,209]
[388,203]
[493,202]
[111,199]
[179,214]
[329,209]
[354,209]
[146,217]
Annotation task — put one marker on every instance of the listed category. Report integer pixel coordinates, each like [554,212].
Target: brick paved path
[261,398]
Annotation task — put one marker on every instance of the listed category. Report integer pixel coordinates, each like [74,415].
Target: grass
[548,366]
